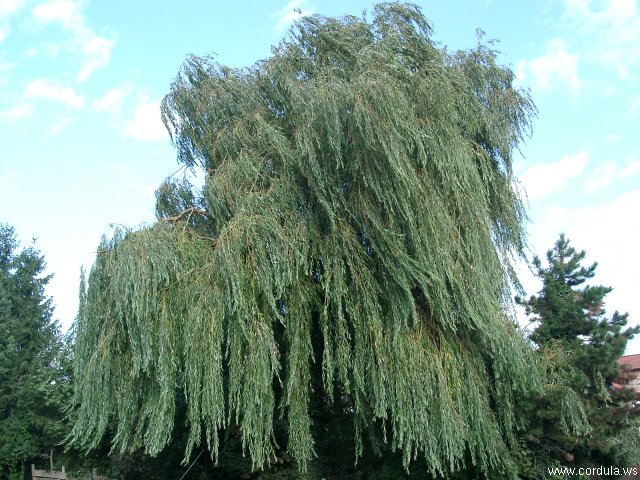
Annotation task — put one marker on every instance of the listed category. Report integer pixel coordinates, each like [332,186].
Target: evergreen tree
[350,254]
[32,379]
[571,320]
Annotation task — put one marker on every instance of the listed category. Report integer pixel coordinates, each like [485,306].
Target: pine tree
[571,320]
[569,311]
[350,251]
[30,376]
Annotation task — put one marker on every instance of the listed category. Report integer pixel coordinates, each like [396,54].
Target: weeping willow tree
[359,217]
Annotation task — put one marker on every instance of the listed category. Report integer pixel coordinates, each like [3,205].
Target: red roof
[632,362]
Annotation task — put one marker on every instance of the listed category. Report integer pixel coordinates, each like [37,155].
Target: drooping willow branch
[358,220]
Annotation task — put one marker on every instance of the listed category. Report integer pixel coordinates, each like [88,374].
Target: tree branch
[188,211]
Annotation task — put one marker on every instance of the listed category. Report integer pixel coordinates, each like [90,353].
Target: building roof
[632,362]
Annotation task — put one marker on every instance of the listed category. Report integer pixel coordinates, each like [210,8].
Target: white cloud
[555,66]
[291,12]
[112,100]
[16,113]
[132,112]
[610,172]
[600,40]
[9,7]
[544,179]
[601,177]
[45,89]
[4,33]
[97,52]
[590,15]
[630,170]
[59,125]
[94,49]
[63,11]
[146,123]
[608,31]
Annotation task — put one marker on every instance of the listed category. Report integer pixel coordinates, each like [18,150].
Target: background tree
[571,320]
[33,387]
[349,253]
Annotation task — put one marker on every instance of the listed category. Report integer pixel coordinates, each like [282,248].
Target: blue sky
[82,146]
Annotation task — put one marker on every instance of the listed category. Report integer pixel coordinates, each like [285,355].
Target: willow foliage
[359,189]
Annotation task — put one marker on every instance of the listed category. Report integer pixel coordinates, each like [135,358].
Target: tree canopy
[359,218]
[569,310]
[572,321]
[31,379]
